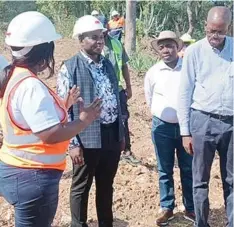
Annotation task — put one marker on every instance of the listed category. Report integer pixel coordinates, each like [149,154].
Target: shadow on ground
[117,223]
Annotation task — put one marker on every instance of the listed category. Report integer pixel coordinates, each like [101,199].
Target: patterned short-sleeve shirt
[104,91]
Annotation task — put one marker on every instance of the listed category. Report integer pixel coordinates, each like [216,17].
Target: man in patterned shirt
[96,151]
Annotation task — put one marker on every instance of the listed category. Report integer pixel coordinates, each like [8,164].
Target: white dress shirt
[161,90]
[206,81]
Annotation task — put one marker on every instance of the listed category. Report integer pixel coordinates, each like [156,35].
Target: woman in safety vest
[34,123]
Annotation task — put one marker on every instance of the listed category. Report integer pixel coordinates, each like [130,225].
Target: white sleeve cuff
[184,131]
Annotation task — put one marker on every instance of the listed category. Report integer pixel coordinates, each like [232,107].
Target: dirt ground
[136,191]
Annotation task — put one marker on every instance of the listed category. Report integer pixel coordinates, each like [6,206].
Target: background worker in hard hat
[96,151]
[95,13]
[34,123]
[115,52]
[116,25]
[187,40]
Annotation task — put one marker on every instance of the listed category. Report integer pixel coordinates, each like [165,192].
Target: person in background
[205,110]
[34,123]
[115,52]
[161,87]
[187,40]
[116,25]
[95,152]
[95,13]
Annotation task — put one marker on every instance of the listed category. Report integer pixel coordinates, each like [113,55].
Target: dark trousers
[209,134]
[166,138]
[32,192]
[101,164]
[125,116]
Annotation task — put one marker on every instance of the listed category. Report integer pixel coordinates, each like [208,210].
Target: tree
[193,11]
[130,27]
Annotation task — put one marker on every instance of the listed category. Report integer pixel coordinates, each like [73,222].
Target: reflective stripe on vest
[118,52]
[41,158]
[11,138]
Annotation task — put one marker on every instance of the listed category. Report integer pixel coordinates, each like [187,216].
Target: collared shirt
[104,91]
[161,90]
[206,82]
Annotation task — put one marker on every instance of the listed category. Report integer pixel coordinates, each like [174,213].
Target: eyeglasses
[219,34]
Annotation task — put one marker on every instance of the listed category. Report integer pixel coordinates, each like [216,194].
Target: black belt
[217,116]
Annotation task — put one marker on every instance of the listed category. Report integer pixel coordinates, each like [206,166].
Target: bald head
[218,20]
[219,14]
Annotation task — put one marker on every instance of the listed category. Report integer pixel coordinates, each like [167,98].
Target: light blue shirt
[206,81]
[3,62]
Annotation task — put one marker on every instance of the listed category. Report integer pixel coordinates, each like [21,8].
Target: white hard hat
[95,13]
[187,38]
[114,13]
[85,24]
[29,29]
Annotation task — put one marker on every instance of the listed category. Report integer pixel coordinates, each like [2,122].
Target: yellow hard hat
[187,38]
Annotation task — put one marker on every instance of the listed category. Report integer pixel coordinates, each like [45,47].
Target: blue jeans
[166,138]
[32,192]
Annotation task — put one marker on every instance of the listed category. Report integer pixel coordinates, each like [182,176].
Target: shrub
[141,62]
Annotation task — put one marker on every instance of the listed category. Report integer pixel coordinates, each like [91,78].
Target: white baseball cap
[114,13]
[95,13]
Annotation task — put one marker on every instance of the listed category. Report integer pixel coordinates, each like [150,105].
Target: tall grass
[141,62]
[65,26]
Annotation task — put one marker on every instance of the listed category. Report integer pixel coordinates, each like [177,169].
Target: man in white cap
[95,13]
[161,91]
[187,40]
[116,25]
[96,151]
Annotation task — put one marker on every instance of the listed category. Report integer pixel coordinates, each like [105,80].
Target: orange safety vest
[21,147]
[115,24]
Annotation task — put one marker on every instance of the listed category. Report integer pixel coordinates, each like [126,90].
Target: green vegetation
[152,17]
[140,62]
